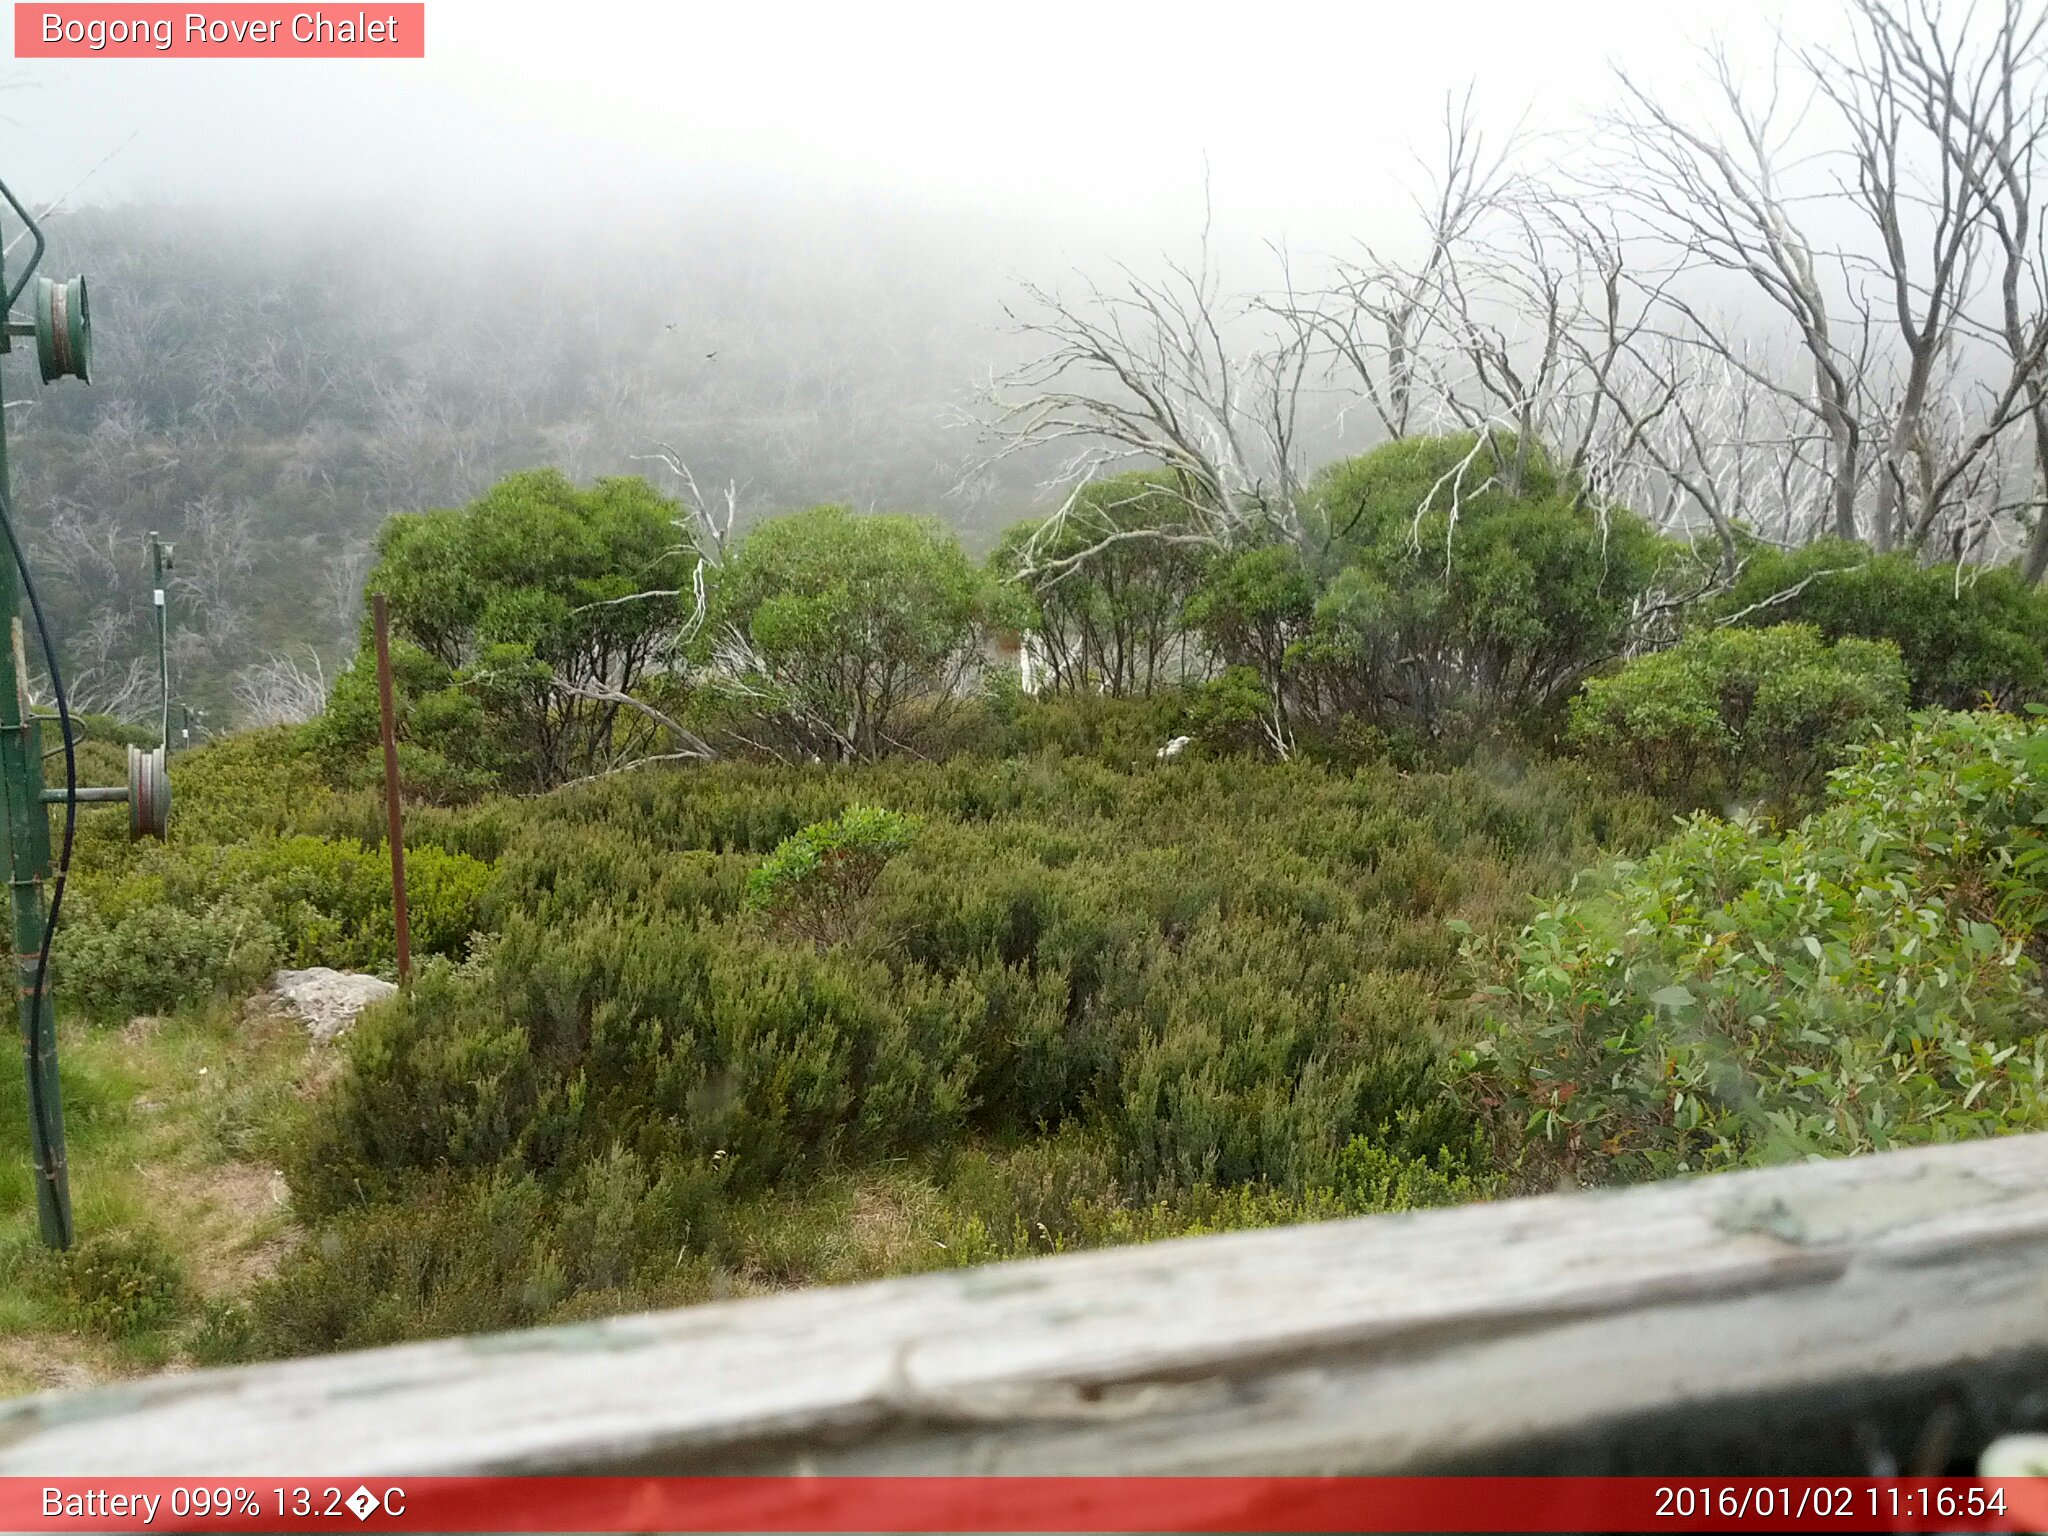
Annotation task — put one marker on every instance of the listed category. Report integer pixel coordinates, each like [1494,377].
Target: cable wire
[38,1106]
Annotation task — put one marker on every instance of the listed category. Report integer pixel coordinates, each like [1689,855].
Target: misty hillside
[265,393]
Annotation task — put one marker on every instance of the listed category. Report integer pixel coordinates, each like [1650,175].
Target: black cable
[38,1106]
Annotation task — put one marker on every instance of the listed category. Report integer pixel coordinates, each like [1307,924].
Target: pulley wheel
[149,793]
[63,330]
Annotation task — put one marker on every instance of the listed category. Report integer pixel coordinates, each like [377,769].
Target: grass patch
[173,1127]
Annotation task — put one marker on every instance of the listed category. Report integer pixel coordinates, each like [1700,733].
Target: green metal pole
[27,825]
[157,562]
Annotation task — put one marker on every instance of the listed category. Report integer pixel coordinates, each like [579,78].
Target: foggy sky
[780,239]
[1092,121]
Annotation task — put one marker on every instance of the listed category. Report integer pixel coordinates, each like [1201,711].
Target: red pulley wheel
[149,793]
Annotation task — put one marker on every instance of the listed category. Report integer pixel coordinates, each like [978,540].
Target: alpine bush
[1741,713]
[1968,634]
[1868,979]
[1231,982]
[851,631]
[810,880]
[120,1283]
[1106,581]
[1452,600]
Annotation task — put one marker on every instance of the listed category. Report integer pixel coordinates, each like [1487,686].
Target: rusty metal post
[400,923]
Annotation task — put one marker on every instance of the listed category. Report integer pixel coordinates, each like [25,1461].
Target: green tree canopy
[1966,633]
[856,629]
[1107,581]
[1443,591]
[522,623]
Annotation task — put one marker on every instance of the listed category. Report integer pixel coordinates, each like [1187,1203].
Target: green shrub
[465,1256]
[245,885]
[1868,979]
[1153,1002]
[1217,982]
[453,1259]
[1452,602]
[1232,712]
[510,631]
[809,882]
[858,629]
[105,728]
[225,1334]
[247,786]
[1063,1192]
[158,957]
[186,921]
[1741,712]
[1252,608]
[1110,624]
[1371,1178]
[1967,634]
[1119,733]
[122,1282]
[332,900]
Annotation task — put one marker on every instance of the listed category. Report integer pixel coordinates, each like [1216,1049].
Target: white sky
[1090,116]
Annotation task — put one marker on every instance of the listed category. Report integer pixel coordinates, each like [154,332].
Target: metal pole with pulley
[63,335]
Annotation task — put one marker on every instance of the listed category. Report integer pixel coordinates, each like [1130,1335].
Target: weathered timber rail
[1825,1316]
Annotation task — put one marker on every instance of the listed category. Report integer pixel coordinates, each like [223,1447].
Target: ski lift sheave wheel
[149,793]
[63,329]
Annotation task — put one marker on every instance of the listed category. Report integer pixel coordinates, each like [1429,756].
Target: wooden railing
[1886,1309]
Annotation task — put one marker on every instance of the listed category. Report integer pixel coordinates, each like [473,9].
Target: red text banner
[1017,1504]
[226,31]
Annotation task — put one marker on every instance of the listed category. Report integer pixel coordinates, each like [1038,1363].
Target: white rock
[327,1001]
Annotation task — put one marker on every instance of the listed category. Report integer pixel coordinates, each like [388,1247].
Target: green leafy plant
[1868,979]
[1968,634]
[1741,713]
[811,879]
[856,631]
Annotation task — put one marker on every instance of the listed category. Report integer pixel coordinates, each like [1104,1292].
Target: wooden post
[399,920]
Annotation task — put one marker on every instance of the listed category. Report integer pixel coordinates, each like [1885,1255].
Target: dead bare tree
[125,689]
[215,556]
[1917,104]
[1981,113]
[343,575]
[285,688]
[706,527]
[1716,194]
[1382,320]
[1927,126]
[1170,373]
